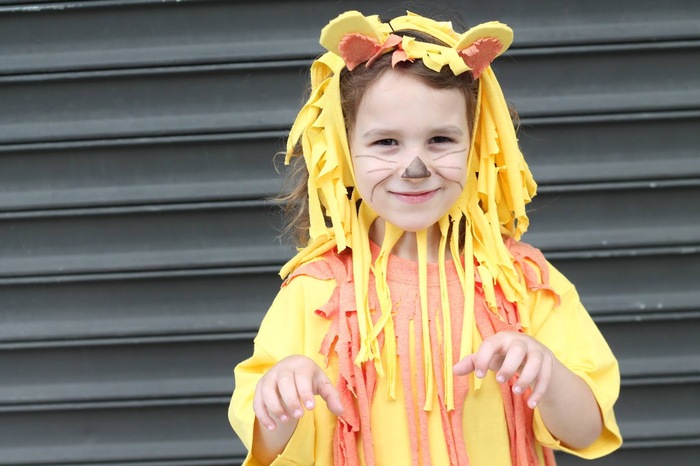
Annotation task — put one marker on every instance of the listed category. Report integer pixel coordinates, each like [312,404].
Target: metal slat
[145,238]
[74,434]
[616,216]
[672,417]
[133,304]
[678,455]
[107,34]
[612,148]
[639,282]
[591,80]
[151,102]
[139,171]
[125,369]
[650,347]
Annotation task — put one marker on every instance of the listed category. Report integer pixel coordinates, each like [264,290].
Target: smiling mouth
[414,198]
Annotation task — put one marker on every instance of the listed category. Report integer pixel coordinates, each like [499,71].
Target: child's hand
[508,353]
[288,387]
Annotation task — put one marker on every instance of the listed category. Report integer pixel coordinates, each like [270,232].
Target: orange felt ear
[480,54]
[357,48]
[353,22]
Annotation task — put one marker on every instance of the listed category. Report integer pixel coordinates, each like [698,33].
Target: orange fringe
[357,385]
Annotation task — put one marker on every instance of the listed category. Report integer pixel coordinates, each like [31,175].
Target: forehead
[401,96]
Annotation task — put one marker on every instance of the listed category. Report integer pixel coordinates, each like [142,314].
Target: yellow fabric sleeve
[282,333]
[571,334]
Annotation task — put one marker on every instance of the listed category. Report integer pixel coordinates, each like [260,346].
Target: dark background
[137,252]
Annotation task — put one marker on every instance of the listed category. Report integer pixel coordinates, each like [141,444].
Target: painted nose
[416,170]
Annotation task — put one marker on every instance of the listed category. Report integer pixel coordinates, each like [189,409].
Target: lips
[414,198]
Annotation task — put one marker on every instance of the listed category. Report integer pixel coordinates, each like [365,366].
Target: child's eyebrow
[385,133]
[379,133]
[450,129]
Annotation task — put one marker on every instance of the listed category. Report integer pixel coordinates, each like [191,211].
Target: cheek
[367,176]
[454,170]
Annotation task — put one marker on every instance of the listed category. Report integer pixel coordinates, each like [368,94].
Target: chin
[413,226]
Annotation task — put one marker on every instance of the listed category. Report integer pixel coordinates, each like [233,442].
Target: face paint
[416,170]
[404,133]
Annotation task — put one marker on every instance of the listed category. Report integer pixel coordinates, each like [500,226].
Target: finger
[287,387]
[271,399]
[542,383]
[515,355]
[488,350]
[530,371]
[325,389]
[304,383]
[465,366]
[261,411]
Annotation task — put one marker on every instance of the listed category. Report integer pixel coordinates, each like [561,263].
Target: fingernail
[517,389]
[309,404]
[298,413]
[270,427]
[501,379]
[283,418]
[532,404]
[480,374]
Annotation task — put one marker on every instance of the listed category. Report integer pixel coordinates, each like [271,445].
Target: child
[431,335]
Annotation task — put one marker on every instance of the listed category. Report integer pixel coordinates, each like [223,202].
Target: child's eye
[386,142]
[441,139]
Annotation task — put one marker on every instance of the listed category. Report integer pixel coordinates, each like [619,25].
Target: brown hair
[353,85]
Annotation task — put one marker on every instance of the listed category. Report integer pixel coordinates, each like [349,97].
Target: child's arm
[280,398]
[567,405]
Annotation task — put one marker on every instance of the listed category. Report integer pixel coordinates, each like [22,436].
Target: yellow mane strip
[498,186]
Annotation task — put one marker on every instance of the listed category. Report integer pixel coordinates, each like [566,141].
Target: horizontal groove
[604,48]
[116,404]
[624,252]
[19,6]
[128,340]
[151,71]
[136,209]
[142,141]
[252,263]
[183,461]
[224,461]
[665,379]
[572,253]
[620,185]
[650,315]
[676,313]
[661,441]
[114,276]
[630,444]
[610,117]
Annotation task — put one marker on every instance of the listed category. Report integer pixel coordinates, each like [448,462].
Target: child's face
[409,147]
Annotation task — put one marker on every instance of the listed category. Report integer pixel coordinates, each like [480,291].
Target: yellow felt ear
[491,29]
[352,22]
